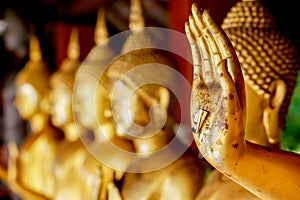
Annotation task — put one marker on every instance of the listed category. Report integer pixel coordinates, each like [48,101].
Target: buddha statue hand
[218,94]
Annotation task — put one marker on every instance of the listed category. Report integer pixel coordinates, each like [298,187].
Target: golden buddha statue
[182,178]
[92,110]
[61,85]
[143,115]
[33,169]
[70,151]
[242,86]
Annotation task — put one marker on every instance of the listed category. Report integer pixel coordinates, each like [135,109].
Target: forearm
[270,174]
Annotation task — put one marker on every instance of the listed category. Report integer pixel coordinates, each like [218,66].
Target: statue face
[84,102]
[129,111]
[138,110]
[91,103]
[255,131]
[26,100]
[61,105]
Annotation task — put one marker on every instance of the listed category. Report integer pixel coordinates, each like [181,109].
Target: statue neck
[104,132]
[72,131]
[38,122]
[148,145]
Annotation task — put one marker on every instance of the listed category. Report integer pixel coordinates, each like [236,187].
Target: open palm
[218,94]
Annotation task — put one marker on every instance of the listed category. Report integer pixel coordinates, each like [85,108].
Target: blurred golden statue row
[71,110]
[243,79]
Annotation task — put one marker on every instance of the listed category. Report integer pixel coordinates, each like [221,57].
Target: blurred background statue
[181,178]
[70,151]
[92,110]
[145,116]
[268,62]
[31,167]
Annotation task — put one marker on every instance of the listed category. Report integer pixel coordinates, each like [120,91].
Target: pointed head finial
[73,51]
[136,19]
[139,37]
[35,72]
[71,62]
[101,33]
[35,53]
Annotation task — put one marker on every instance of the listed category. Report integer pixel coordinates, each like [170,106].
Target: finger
[194,27]
[212,44]
[194,48]
[228,52]
[229,99]
[223,41]
[197,16]
[196,34]
[206,70]
[225,79]
[206,44]
[225,46]
[239,84]
[197,77]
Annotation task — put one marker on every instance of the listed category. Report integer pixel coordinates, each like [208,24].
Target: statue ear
[277,90]
[271,112]
[164,97]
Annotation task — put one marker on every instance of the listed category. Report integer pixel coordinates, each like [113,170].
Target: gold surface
[243,120]
[182,178]
[92,109]
[37,152]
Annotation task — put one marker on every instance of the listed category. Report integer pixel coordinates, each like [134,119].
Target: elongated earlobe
[271,112]
[270,120]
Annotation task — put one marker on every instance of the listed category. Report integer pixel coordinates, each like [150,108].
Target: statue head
[269,63]
[61,84]
[139,107]
[90,100]
[32,82]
